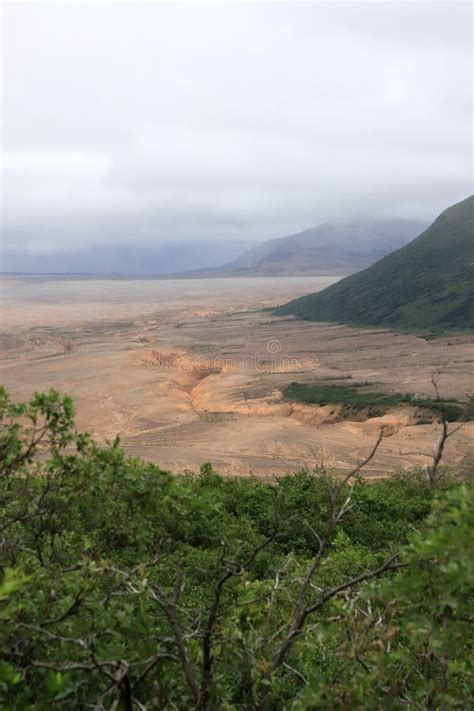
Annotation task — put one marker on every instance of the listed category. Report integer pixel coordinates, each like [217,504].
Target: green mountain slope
[426,285]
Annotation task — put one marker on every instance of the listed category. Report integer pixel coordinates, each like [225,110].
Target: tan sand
[186,381]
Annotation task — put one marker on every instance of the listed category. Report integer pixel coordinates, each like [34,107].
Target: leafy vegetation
[356,399]
[125,587]
[425,286]
[470,409]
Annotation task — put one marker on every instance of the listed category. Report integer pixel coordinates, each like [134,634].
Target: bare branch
[76,602]
[438,448]
[302,609]
[169,608]
[232,571]
[297,627]
[389,564]
[365,461]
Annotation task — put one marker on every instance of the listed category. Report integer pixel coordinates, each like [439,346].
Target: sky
[154,122]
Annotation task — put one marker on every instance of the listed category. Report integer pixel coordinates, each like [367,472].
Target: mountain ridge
[428,283]
[330,249]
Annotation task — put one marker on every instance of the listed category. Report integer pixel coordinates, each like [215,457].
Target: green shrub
[356,399]
[123,586]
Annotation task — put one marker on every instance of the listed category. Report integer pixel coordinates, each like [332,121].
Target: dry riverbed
[197,375]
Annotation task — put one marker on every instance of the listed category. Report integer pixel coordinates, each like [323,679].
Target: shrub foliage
[125,587]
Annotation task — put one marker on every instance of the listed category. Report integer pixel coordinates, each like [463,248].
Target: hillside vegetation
[426,285]
[125,587]
[361,398]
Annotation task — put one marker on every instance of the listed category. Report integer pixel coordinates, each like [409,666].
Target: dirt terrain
[196,379]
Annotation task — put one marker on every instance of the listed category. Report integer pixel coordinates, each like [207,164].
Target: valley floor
[195,374]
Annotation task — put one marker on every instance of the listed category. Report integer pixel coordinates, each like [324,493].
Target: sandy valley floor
[188,372]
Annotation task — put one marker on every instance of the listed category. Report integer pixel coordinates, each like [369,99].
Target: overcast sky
[155,121]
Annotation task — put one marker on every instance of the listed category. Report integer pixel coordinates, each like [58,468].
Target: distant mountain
[331,249]
[428,284]
[328,249]
[160,259]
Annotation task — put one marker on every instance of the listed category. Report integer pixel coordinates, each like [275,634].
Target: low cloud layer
[156,122]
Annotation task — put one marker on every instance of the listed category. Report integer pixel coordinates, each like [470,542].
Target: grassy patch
[470,409]
[331,378]
[355,399]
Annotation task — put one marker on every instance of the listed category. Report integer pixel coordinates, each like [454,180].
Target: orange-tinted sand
[196,375]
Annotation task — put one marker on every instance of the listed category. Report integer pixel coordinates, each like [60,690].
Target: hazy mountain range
[428,284]
[159,259]
[326,249]
[332,249]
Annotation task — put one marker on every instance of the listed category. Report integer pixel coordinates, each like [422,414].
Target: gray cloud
[160,121]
